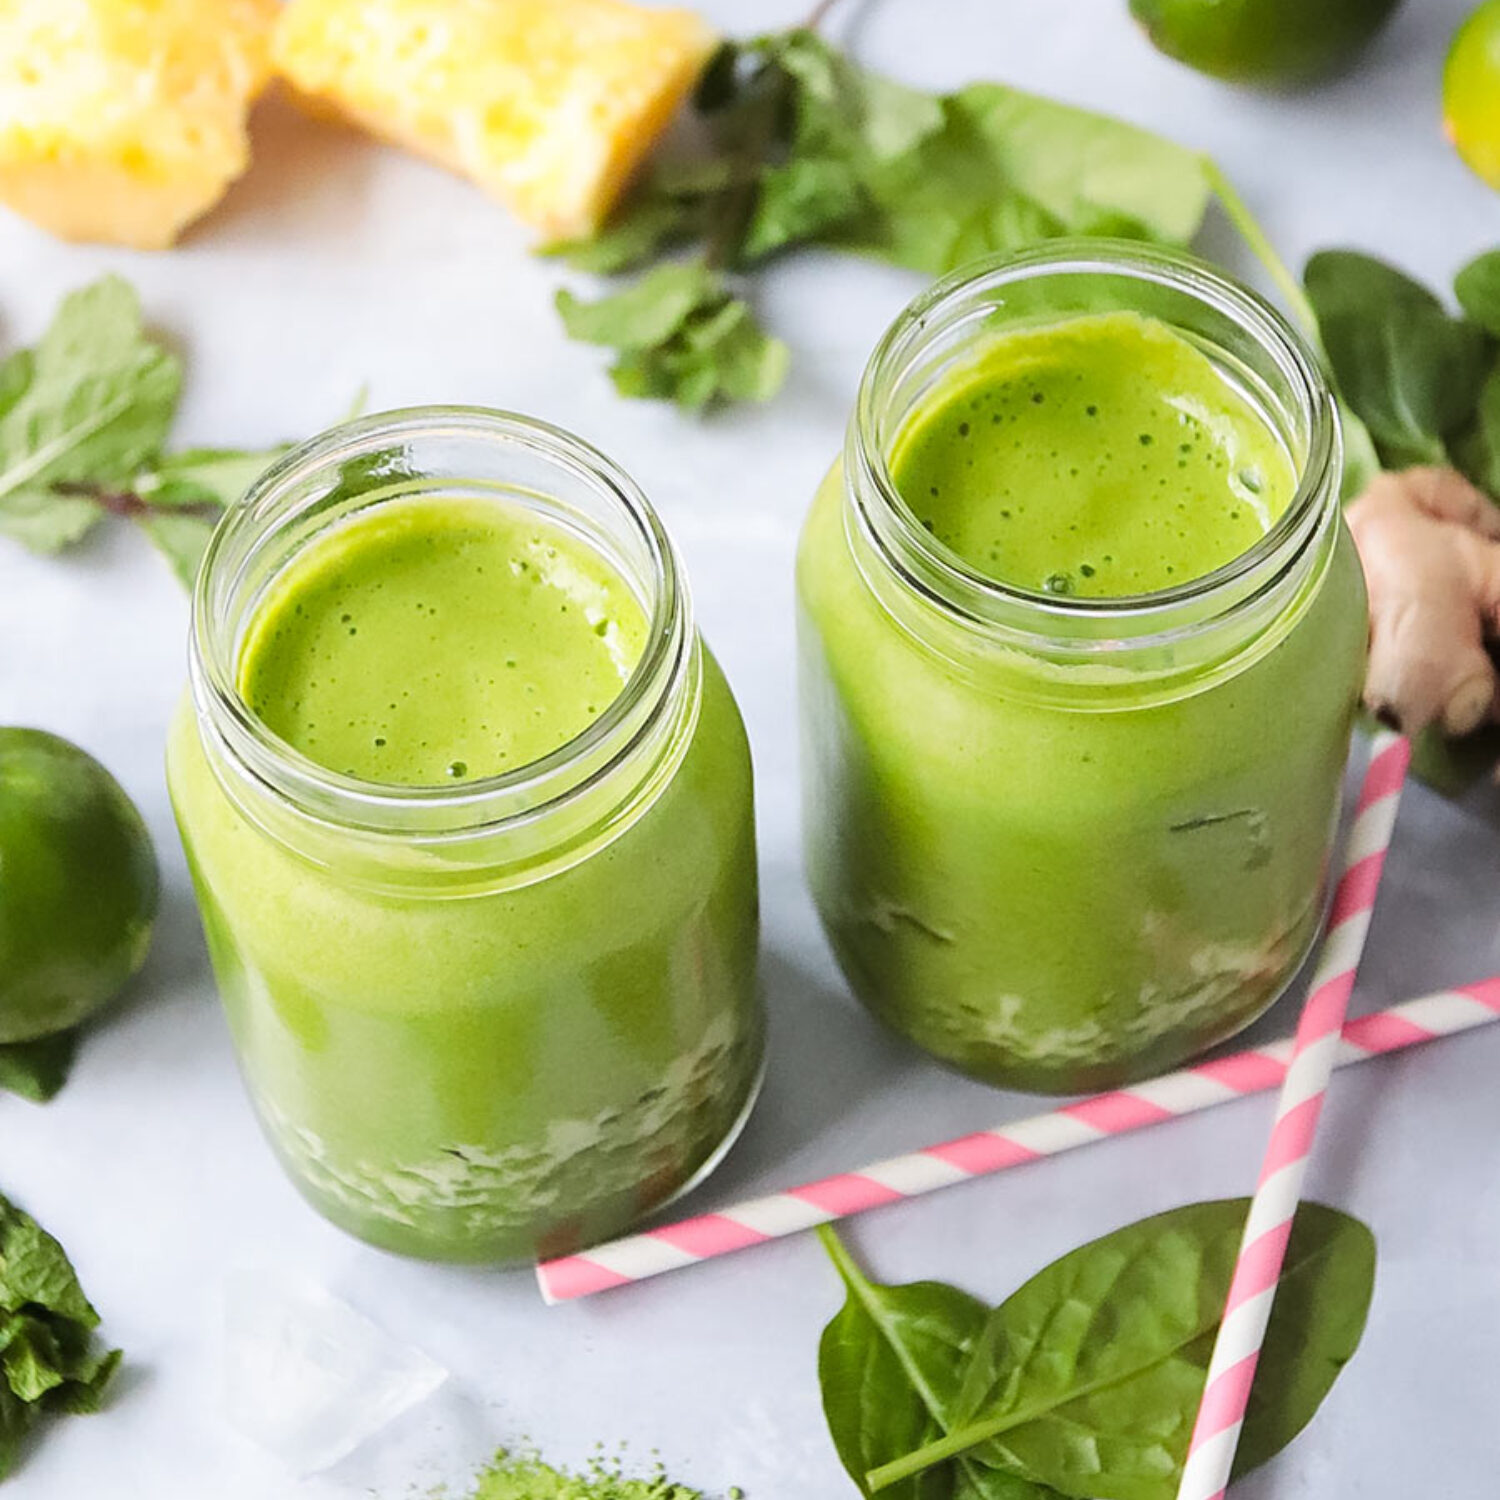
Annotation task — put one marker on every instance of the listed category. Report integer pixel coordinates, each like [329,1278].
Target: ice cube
[306,1376]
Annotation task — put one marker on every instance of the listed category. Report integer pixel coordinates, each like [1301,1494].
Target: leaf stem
[1238,212]
[126,503]
[117,502]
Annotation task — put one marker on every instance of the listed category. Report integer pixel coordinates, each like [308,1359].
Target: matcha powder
[525,1477]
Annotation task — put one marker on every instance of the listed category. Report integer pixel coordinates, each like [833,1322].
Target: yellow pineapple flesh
[121,121]
[550,105]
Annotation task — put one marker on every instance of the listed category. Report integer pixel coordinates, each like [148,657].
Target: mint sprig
[84,421]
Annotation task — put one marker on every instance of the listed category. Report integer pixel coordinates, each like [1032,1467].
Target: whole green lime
[1471,92]
[1262,41]
[78,885]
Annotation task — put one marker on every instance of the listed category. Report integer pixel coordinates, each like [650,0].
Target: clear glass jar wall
[503,1018]
[1067,842]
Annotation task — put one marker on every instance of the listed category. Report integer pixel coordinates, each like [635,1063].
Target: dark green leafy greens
[1424,386]
[84,419]
[1410,370]
[37,1070]
[890,1364]
[804,147]
[679,333]
[1086,1381]
[50,1362]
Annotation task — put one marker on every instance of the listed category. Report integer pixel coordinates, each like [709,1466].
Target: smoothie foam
[1103,456]
[436,640]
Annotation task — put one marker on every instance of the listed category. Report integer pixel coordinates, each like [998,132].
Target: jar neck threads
[529,815]
[960,610]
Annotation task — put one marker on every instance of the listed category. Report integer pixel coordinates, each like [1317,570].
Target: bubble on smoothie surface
[1102,455]
[439,640]
[309,1378]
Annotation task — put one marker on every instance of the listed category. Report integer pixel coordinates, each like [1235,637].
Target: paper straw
[1255,1071]
[1252,1289]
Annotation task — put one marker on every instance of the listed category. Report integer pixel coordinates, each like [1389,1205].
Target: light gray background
[337,263]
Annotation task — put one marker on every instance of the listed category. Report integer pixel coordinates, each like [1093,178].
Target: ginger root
[1430,545]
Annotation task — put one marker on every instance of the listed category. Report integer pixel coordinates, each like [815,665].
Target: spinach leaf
[1009,169]
[1477,287]
[1088,1378]
[49,1360]
[1477,448]
[889,1365]
[1410,372]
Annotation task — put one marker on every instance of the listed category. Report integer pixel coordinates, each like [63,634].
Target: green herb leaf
[1477,451]
[91,404]
[181,537]
[654,218]
[1361,460]
[1410,372]
[889,1365]
[204,477]
[681,334]
[49,1361]
[1088,1378]
[1477,287]
[37,1070]
[648,312]
[807,148]
[1009,169]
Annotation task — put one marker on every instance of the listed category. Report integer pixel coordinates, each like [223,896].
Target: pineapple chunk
[123,120]
[548,104]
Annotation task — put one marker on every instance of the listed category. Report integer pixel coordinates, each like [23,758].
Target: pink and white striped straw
[1256,1070]
[1252,1289]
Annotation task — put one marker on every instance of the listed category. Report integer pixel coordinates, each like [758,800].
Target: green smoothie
[1101,457]
[1062,877]
[530,1059]
[439,641]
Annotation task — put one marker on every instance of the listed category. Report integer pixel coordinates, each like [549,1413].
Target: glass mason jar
[1066,842]
[504,1018]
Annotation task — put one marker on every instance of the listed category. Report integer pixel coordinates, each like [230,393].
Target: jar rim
[946,578]
[485,804]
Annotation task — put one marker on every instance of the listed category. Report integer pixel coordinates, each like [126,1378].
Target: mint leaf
[646,313]
[204,477]
[181,537]
[798,202]
[682,336]
[37,1070]
[90,405]
[651,220]
[16,372]
[49,1361]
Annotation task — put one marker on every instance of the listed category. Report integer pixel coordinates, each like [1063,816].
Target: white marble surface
[337,263]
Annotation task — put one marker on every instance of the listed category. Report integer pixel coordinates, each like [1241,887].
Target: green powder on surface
[524,1476]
